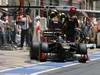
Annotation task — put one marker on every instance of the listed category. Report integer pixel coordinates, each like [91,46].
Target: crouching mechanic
[54,22]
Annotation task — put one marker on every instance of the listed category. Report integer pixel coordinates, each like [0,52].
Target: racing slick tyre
[83,53]
[82,48]
[37,53]
[34,52]
[98,40]
[43,52]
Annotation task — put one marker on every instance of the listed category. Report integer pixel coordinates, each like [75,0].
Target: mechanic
[37,29]
[71,25]
[25,19]
[54,22]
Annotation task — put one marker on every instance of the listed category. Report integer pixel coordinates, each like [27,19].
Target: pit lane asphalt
[17,62]
[91,68]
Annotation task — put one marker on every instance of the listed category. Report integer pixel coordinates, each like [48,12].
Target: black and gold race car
[54,46]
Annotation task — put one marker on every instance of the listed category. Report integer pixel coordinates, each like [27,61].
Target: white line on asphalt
[9,69]
[37,73]
[45,70]
[95,59]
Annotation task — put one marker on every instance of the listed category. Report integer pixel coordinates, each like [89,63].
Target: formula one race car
[53,44]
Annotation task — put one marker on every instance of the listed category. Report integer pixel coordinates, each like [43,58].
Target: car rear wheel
[83,53]
[98,40]
[37,53]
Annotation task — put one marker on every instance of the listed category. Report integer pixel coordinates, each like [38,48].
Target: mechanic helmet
[37,18]
[62,15]
[72,10]
[53,13]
